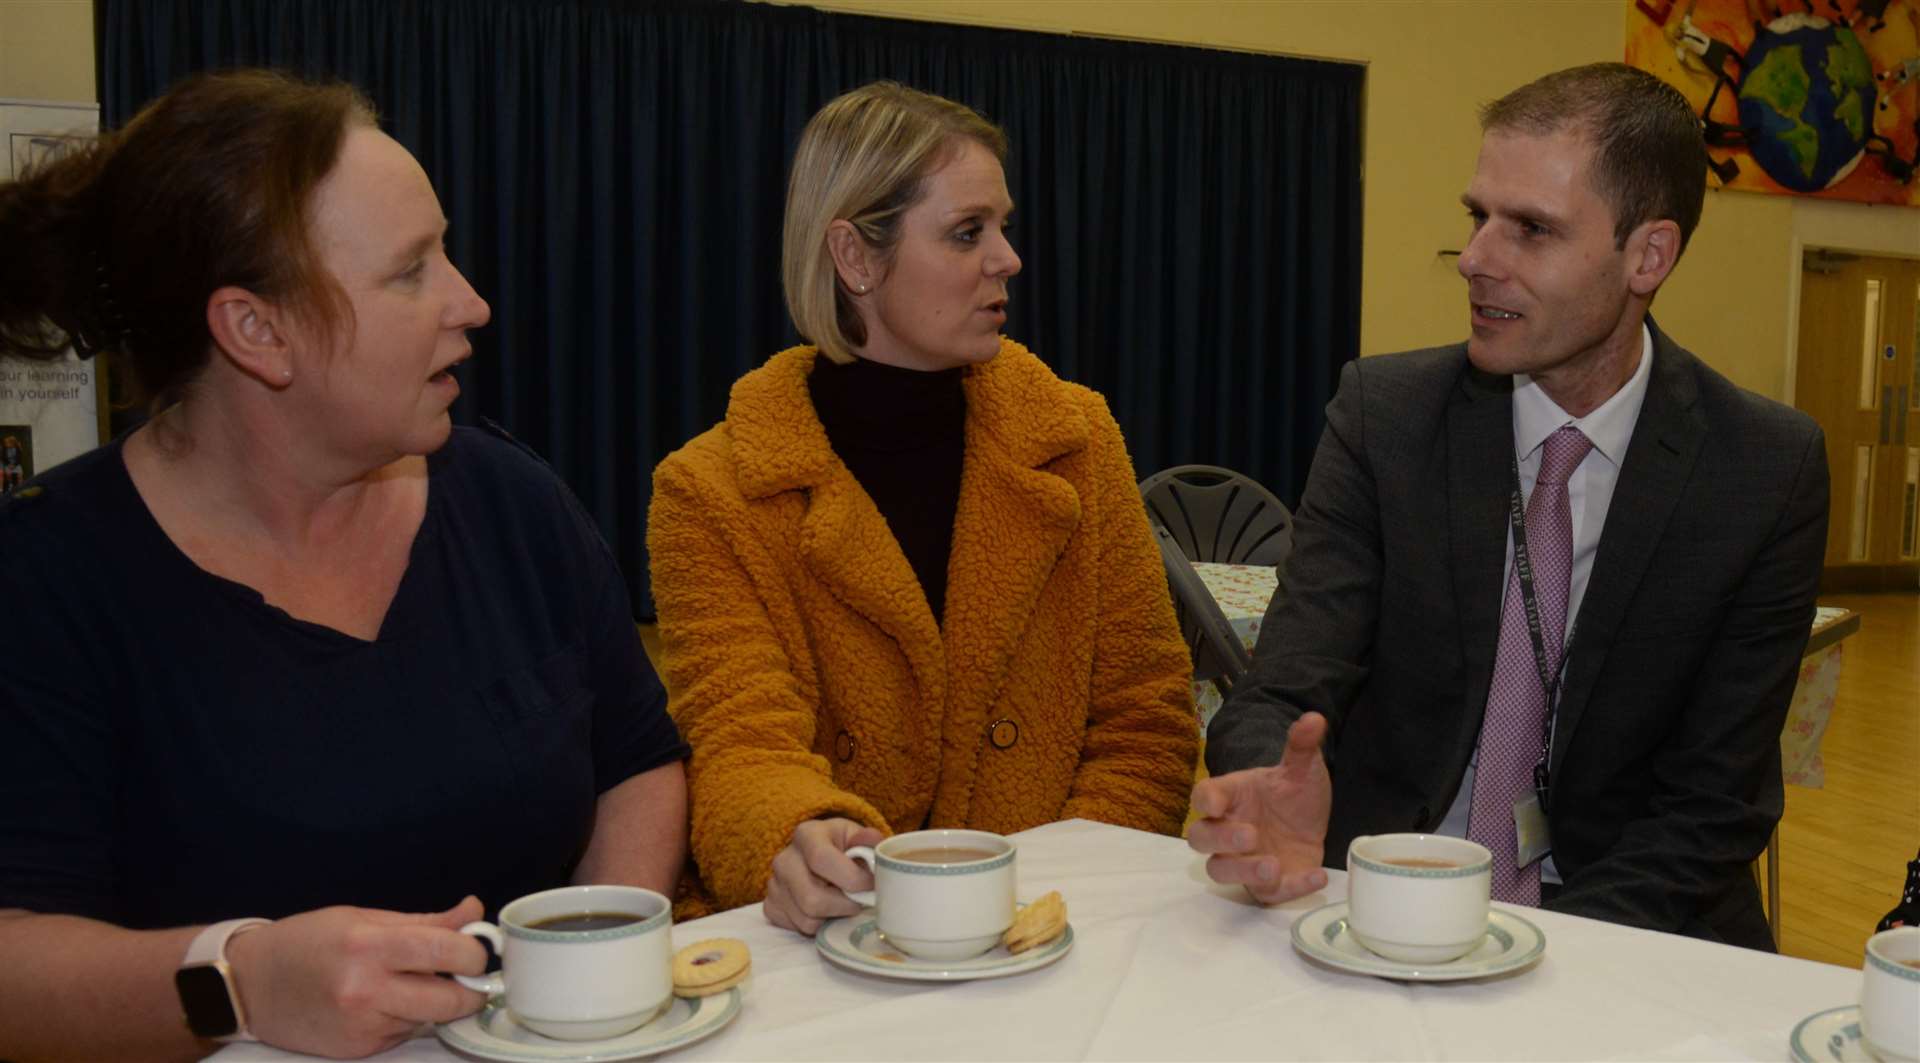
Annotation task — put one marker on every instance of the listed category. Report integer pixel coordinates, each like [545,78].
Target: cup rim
[949,836]
[510,924]
[1876,957]
[1479,859]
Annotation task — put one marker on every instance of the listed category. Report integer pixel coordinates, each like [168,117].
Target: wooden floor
[1844,848]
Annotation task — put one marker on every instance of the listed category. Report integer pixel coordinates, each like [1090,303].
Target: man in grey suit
[1549,588]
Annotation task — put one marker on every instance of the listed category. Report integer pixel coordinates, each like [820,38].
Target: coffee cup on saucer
[1890,995]
[942,894]
[581,963]
[1418,898]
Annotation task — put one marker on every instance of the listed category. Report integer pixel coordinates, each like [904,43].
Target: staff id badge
[1532,839]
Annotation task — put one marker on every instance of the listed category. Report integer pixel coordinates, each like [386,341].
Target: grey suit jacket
[1666,763]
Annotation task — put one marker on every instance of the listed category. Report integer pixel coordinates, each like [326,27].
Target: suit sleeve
[1717,794]
[1136,768]
[1317,638]
[753,775]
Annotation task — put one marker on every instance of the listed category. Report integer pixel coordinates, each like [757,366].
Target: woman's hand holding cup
[813,874]
[355,981]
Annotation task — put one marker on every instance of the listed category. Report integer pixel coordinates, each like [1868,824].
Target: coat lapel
[1666,440]
[1479,489]
[1014,520]
[779,445]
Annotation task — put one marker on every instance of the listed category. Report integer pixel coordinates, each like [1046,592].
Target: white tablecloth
[1166,965]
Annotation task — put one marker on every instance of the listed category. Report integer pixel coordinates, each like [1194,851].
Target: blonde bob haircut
[863,157]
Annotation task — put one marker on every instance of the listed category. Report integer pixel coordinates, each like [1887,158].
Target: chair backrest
[1217,514]
[1218,655]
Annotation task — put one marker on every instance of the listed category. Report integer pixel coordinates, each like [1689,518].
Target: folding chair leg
[1773,885]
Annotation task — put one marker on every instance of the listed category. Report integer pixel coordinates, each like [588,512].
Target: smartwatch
[205,984]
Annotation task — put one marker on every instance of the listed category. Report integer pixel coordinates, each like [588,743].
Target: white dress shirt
[1589,494]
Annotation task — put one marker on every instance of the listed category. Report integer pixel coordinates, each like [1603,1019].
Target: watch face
[203,994]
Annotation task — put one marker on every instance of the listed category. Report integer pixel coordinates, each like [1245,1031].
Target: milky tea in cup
[1418,898]
[581,963]
[941,894]
[1890,994]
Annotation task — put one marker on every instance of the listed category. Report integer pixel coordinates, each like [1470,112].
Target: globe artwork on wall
[1820,97]
[1806,101]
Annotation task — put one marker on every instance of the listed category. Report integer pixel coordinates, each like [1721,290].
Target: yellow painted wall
[46,50]
[1430,63]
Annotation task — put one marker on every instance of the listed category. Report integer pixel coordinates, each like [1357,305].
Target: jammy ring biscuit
[711,966]
[1037,923]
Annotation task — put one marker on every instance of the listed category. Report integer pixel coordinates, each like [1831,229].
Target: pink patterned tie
[1515,723]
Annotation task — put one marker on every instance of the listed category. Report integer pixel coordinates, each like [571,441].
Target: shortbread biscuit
[711,966]
[1037,923]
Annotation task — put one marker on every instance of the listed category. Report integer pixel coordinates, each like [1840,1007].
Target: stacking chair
[1207,513]
[1217,514]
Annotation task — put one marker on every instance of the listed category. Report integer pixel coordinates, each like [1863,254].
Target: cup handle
[494,984]
[863,854]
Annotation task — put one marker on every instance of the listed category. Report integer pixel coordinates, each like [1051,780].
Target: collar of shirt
[1610,427]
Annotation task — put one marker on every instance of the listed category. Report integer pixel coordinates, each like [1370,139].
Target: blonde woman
[908,581]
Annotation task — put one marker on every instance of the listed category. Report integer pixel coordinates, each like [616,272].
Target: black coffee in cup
[581,922]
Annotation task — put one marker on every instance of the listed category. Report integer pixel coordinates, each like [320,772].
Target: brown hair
[117,247]
[862,157]
[1649,158]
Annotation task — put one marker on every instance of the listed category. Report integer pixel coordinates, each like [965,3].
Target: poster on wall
[1798,97]
[49,410]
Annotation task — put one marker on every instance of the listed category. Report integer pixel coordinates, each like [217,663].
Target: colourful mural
[1797,97]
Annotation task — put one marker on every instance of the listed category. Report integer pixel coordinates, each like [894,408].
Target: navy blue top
[174,750]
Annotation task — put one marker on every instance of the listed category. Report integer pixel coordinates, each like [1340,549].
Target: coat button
[843,746]
[1004,733]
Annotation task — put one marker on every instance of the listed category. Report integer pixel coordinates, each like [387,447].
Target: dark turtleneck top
[902,433]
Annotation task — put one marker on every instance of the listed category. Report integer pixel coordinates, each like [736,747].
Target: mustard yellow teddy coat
[812,679]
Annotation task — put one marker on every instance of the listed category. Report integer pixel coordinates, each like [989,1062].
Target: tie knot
[1561,454]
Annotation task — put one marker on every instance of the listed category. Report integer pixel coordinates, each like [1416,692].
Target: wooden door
[1858,376]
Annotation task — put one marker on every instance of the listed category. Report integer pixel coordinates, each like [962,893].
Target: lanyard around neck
[1536,634]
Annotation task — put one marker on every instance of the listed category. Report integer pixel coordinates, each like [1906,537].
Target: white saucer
[1511,943]
[1833,1034]
[491,1033]
[855,943]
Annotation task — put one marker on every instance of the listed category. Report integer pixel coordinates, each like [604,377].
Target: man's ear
[853,259]
[1652,250]
[250,333]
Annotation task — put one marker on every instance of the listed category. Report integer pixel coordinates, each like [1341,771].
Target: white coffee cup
[1890,994]
[1418,898]
[948,909]
[581,984]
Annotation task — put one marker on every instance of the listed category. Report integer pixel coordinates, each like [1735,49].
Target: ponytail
[51,296]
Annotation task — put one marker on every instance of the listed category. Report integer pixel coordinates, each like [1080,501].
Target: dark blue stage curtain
[615,173]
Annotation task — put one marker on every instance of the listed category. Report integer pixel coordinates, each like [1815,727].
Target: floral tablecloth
[1244,590]
[1812,706]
